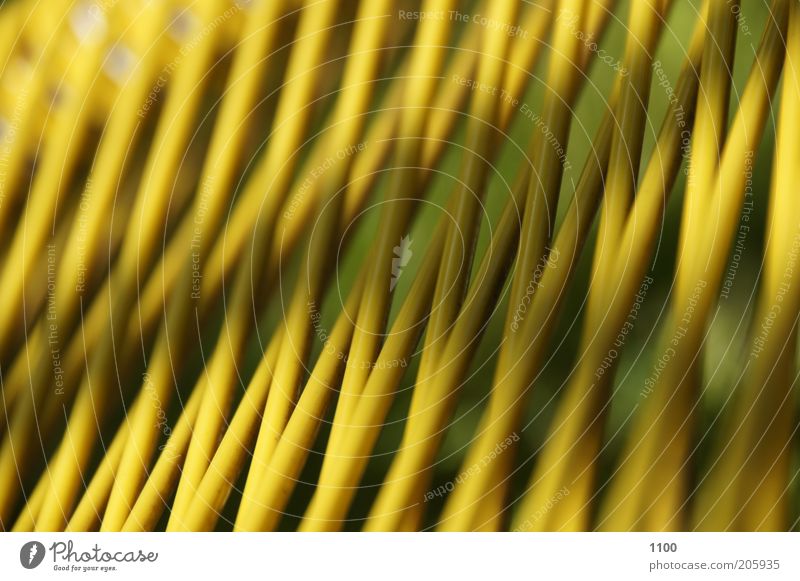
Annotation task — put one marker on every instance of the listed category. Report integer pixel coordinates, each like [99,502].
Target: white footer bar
[401,556]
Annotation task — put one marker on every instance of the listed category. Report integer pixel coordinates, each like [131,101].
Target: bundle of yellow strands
[399,265]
